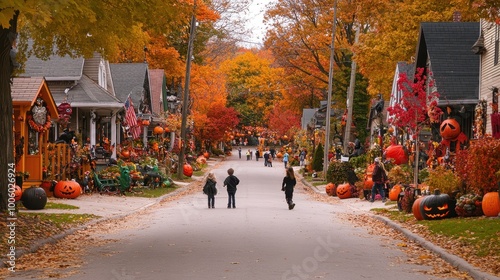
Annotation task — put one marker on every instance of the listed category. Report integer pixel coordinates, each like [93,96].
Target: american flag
[131,119]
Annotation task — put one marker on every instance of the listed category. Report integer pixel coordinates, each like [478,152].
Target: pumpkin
[491,204]
[201,160]
[397,153]
[416,209]
[394,192]
[449,129]
[279,155]
[344,190]
[436,206]
[158,130]
[34,198]
[125,154]
[18,193]
[368,184]
[206,155]
[67,189]
[155,146]
[330,189]
[187,170]
[167,130]
[145,122]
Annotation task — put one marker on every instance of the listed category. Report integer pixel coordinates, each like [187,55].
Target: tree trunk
[7,172]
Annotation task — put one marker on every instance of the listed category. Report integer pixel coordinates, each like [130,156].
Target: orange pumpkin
[330,189]
[18,193]
[187,170]
[155,146]
[344,190]
[279,155]
[201,160]
[449,129]
[206,155]
[158,130]
[491,204]
[368,184]
[416,209]
[167,130]
[394,192]
[125,154]
[145,122]
[67,189]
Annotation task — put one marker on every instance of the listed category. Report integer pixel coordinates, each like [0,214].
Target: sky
[256,16]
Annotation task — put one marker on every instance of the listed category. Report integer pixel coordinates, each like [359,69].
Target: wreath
[39,128]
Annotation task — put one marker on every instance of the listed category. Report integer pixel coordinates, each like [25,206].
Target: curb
[53,239]
[453,260]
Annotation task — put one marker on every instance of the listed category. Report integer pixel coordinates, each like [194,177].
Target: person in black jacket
[210,189]
[288,185]
[231,182]
[379,178]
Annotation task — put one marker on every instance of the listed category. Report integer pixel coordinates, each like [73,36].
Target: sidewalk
[361,205]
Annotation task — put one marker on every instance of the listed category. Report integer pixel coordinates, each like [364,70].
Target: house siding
[490,73]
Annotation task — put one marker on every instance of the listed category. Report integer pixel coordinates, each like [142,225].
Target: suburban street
[260,239]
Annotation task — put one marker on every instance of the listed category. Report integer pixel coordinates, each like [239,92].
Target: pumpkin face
[187,170]
[331,189]
[18,193]
[67,189]
[394,192]
[449,129]
[491,204]
[436,206]
[344,191]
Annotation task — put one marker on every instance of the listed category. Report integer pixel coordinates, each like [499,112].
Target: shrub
[318,158]
[400,174]
[477,165]
[338,172]
[444,180]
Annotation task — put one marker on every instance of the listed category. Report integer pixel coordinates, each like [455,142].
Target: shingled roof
[455,68]
[129,78]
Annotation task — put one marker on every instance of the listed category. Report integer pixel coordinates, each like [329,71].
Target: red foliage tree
[282,119]
[219,120]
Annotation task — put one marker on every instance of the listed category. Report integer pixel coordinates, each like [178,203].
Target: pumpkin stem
[437,192]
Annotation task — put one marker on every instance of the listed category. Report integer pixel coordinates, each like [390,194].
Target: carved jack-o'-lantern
[344,191]
[449,129]
[18,193]
[67,189]
[331,189]
[436,206]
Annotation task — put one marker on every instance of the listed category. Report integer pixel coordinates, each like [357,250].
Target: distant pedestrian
[285,158]
[302,157]
[287,186]
[239,151]
[266,157]
[231,182]
[257,154]
[248,154]
[379,178]
[251,154]
[210,189]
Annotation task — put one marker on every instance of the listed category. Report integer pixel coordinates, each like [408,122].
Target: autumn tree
[73,28]
[253,85]
[219,120]
[281,119]
[417,107]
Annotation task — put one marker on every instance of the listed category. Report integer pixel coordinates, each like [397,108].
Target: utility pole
[185,99]
[329,99]
[350,97]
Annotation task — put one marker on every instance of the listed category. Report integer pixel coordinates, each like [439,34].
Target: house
[34,109]
[86,102]
[444,51]
[487,48]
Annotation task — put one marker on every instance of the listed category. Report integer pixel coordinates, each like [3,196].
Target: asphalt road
[260,239]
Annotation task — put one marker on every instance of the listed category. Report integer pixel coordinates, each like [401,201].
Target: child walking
[231,182]
[210,189]
[288,185]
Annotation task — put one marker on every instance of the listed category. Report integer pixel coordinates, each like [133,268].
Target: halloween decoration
[397,153]
[344,190]
[491,204]
[39,119]
[158,130]
[64,109]
[18,193]
[416,209]
[34,198]
[449,129]
[435,206]
[201,160]
[187,170]
[394,192]
[206,155]
[469,205]
[67,189]
[331,189]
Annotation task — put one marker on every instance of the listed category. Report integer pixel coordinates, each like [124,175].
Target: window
[102,75]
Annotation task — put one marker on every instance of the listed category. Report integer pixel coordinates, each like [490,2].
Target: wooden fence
[59,164]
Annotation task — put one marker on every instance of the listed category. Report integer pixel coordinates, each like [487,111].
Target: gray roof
[307,115]
[88,94]
[405,67]
[454,66]
[129,78]
[56,68]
